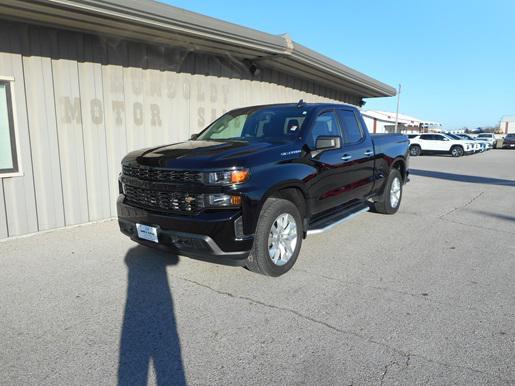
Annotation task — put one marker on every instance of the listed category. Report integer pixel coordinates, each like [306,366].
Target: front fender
[264,182]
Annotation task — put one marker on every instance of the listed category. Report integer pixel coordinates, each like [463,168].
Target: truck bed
[390,144]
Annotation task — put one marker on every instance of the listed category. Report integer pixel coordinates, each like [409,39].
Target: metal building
[507,124]
[84,82]
[384,122]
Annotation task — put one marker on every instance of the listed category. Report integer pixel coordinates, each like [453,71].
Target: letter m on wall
[71,110]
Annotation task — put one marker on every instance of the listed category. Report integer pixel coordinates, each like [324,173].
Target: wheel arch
[291,191]
[400,164]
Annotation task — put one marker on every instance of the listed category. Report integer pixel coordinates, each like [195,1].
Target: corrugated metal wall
[82,102]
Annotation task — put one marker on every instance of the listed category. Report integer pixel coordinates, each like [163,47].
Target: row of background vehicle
[456,144]
[439,143]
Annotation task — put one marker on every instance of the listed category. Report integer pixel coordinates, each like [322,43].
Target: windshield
[258,123]
[510,136]
[454,137]
[484,136]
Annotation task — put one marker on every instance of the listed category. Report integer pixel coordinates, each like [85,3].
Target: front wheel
[277,240]
[457,151]
[415,151]
[390,201]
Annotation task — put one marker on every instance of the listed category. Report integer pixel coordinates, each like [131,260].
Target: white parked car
[489,138]
[483,144]
[439,144]
[478,145]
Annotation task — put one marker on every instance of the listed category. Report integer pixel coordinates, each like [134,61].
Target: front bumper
[205,236]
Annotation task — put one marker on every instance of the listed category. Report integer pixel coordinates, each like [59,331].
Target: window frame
[337,121]
[443,137]
[342,128]
[16,170]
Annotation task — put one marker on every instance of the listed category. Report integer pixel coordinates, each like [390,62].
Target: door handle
[346,157]
[368,153]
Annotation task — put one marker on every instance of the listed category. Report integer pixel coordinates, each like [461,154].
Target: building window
[8,155]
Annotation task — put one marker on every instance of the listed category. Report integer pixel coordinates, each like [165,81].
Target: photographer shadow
[149,330]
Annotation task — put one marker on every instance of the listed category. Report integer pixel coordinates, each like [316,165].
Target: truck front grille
[184,203]
[161,175]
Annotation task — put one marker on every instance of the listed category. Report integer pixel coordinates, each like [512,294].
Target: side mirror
[193,137]
[327,142]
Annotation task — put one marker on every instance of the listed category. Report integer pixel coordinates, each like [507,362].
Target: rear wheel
[392,195]
[457,151]
[278,238]
[415,150]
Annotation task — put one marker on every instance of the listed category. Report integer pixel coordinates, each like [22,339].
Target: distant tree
[491,129]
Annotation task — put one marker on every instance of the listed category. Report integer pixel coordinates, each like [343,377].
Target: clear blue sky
[454,59]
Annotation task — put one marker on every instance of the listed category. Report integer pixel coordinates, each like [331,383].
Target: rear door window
[352,132]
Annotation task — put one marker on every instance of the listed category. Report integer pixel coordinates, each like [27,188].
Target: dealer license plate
[146,232]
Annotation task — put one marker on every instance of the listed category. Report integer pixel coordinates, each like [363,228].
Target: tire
[386,205]
[415,151]
[457,151]
[260,259]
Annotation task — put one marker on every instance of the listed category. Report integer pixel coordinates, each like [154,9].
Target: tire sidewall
[416,149]
[387,203]
[271,210]
[459,151]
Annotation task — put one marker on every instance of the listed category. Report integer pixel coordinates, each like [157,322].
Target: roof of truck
[312,105]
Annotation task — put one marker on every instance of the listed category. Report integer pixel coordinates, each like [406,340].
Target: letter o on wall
[96,111]
[138,113]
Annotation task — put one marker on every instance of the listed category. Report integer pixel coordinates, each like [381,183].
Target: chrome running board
[323,225]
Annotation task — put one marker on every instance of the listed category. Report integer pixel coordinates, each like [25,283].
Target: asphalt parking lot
[424,296]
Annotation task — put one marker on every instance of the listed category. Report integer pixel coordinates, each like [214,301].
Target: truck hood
[207,154]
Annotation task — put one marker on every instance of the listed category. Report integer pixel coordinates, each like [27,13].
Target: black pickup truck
[250,187]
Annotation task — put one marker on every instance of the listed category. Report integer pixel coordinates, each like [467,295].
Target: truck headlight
[221,200]
[227,177]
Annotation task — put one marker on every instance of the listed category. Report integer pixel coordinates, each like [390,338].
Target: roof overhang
[154,22]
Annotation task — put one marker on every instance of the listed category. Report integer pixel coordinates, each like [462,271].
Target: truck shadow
[462,177]
[149,330]
[500,216]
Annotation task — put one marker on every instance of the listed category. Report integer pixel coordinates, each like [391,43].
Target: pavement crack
[497,230]
[395,363]
[396,291]
[284,309]
[296,313]
[386,368]
[396,350]
[408,359]
[462,206]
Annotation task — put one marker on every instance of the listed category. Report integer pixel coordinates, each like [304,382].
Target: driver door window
[325,125]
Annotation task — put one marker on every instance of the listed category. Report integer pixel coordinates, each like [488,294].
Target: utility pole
[397,113]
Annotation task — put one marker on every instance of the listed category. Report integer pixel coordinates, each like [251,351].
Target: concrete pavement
[424,296]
